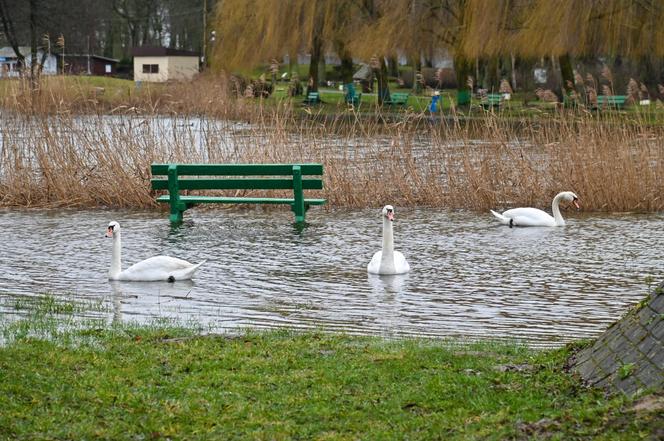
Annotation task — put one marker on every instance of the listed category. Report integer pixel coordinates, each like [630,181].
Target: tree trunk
[380,72]
[463,68]
[316,50]
[566,75]
[651,75]
[393,67]
[33,44]
[322,74]
[316,46]
[513,71]
[491,77]
[417,69]
[346,68]
[9,32]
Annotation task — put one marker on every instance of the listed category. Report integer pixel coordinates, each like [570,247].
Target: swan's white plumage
[387,261]
[400,265]
[154,269]
[159,268]
[534,217]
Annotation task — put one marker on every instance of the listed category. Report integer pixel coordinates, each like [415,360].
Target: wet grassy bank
[169,382]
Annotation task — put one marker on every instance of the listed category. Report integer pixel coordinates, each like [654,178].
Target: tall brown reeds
[611,162]
[58,95]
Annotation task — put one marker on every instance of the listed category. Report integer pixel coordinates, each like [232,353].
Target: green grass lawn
[161,382]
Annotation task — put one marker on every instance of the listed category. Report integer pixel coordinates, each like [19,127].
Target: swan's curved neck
[555,208]
[116,261]
[388,241]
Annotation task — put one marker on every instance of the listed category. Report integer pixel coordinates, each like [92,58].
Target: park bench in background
[492,100]
[398,99]
[181,177]
[312,98]
[610,102]
[351,96]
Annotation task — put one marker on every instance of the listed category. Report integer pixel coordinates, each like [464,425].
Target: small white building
[159,64]
[10,65]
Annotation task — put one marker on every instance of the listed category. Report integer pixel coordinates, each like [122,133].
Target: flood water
[470,277]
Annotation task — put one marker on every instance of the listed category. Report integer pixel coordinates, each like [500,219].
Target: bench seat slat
[237,169]
[239,200]
[398,98]
[238,184]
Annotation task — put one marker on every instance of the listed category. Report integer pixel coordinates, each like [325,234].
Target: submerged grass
[169,382]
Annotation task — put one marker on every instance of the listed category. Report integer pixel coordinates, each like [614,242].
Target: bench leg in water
[298,195]
[176,216]
[299,214]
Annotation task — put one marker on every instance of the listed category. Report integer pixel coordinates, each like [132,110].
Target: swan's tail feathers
[187,273]
[503,219]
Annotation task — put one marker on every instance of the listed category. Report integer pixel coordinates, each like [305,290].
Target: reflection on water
[470,277]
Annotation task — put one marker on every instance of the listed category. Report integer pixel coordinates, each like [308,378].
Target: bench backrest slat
[238,184]
[237,169]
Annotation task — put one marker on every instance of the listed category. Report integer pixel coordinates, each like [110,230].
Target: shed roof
[363,73]
[8,51]
[98,57]
[147,51]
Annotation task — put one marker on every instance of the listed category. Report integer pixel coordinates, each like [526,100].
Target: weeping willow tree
[419,28]
[565,29]
[253,31]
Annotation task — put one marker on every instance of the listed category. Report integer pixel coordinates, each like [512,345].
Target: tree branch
[8,27]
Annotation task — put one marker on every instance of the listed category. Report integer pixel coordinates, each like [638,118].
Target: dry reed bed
[73,95]
[95,160]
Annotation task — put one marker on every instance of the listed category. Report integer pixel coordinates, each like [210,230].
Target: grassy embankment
[614,161]
[92,381]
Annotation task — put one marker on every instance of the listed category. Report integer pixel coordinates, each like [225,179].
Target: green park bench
[179,177]
[492,100]
[312,98]
[398,99]
[610,101]
[351,97]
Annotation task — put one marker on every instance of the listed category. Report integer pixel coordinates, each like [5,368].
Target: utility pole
[61,43]
[89,72]
[205,37]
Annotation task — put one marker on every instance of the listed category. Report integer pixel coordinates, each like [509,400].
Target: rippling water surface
[469,277]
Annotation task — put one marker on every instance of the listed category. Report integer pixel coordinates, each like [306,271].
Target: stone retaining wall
[629,356]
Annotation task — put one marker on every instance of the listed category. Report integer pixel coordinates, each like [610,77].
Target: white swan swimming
[388,261]
[533,217]
[154,269]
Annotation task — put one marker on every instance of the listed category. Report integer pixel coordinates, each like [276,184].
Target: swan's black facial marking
[110,230]
[171,279]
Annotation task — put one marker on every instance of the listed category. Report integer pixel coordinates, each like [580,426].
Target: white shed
[159,64]
[10,64]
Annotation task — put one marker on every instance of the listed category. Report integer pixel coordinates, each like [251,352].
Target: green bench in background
[610,101]
[312,98]
[351,97]
[398,99]
[181,177]
[492,100]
